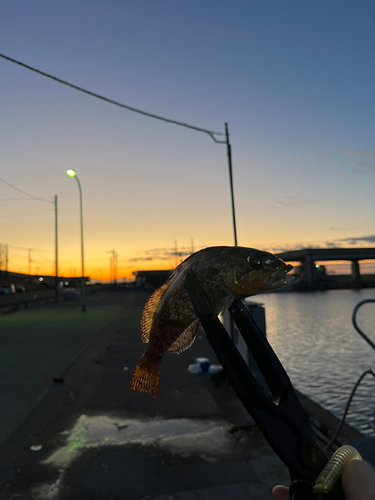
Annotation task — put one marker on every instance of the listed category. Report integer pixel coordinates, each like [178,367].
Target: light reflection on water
[312,334]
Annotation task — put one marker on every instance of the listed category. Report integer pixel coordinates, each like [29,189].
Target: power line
[13,199]
[51,251]
[17,255]
[26,248]
[116,103]
[111,101]
[25,214]
[44,200]
[43,258]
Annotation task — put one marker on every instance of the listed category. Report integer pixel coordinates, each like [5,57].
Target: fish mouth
[280,277]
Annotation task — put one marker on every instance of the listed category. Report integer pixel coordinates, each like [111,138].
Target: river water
[313,336]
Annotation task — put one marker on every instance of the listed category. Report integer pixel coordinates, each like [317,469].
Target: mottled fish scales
[169,322]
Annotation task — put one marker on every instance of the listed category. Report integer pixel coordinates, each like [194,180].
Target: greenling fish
[169,322]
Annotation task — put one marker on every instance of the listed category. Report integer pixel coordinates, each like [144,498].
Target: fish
[169,322]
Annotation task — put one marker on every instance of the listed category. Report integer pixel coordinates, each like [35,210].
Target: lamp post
[72,173]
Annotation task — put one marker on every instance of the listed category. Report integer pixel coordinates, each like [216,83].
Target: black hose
[354,321]
[347,408]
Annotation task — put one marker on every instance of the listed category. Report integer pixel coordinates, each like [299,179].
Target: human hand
[358,481]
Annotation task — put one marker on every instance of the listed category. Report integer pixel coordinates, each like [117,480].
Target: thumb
[280,493]
[358,481]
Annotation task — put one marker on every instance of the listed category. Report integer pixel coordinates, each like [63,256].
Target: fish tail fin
[144,379]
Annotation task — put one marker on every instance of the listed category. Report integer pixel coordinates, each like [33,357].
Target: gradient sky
[294,80]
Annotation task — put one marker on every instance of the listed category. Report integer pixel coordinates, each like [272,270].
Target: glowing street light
[72,173]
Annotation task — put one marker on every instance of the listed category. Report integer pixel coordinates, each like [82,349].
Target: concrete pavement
[96,439]
[37,344]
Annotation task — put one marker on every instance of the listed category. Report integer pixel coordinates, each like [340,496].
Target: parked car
[8,288]
[71,294]
[19,288]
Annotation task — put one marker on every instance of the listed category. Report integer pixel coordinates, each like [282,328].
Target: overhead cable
[24,214]
[111,101]
[25,192]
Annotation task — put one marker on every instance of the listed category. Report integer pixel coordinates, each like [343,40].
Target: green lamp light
[71,172]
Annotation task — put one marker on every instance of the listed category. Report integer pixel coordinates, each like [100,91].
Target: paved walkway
[96,439]
[38,343]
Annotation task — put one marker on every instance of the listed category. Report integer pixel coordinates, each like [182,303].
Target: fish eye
[256,263]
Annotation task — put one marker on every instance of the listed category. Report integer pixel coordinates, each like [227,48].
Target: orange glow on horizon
[101,269]
[98,272]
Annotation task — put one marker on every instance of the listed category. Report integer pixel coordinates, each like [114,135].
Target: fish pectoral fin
[149,312]
[185,340]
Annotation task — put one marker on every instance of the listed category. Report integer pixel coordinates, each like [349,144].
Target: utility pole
[30,259]
[56,259]
[113,266]
[115,257]
[6,257]
[229,154]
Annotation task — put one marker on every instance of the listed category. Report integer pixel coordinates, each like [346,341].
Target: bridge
[309,256]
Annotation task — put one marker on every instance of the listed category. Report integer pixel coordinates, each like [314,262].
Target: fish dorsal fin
[149,312]
[186,338]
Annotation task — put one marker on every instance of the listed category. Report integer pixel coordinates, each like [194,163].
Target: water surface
[312,334]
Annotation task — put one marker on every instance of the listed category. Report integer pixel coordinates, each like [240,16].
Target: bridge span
[309,276]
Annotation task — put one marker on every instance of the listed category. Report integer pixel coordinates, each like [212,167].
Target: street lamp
[72,173]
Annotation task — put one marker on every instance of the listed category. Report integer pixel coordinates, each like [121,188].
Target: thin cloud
[359,171]
[360,239]
[148,259]
[292,201]
[358,153]
[356,161]
[363,161]
[139,259]
[303,246]
[162,254]
[339,243]
[320,156]
[289,248]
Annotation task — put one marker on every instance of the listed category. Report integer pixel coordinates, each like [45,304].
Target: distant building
[151,278]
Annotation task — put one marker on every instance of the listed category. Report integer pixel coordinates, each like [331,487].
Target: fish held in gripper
[169,322]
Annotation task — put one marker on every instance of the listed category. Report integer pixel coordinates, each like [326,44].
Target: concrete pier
[82,434]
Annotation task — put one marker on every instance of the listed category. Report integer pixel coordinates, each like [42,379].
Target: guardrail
[20,303]
[15,305]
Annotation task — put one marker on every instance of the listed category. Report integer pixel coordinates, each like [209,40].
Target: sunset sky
[294,80]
